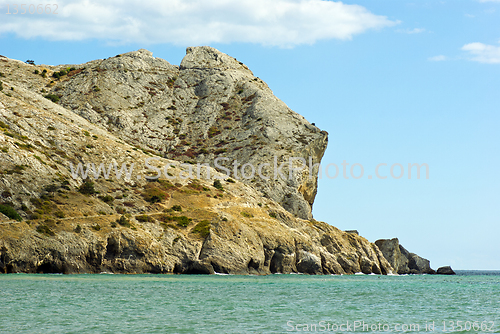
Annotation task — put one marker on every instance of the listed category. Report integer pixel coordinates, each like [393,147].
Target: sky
[392,81]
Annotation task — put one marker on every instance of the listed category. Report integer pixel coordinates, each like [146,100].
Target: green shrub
[123,221]
[78,228]
[247,215]
[153,194]
[59,74]
[44,229]
[96,227]
[87,188]
[1,86]
[51,188]
[180,220]
[59,214]
[121,210]
[143,218]
[10,212]
[106,199]
[177,208]
[218,185]
[43,206]
[54,98]
[230,180]
[202,228]
[65,185]
[272,214]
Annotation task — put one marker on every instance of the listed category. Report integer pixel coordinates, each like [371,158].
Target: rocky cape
[134,107]
[402,261]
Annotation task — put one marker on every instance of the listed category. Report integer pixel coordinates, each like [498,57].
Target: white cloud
[411,31]
[483,53]
[284,23]
[437,58]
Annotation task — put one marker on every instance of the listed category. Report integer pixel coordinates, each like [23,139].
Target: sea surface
[108,303]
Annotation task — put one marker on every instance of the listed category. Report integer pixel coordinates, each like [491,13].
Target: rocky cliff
[134,107]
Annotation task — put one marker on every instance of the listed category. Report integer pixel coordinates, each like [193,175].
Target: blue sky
[391,81]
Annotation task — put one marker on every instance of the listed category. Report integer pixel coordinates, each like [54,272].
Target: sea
[468,302]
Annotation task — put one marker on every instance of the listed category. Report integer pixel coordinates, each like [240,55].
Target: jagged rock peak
[208,57]
[141,53]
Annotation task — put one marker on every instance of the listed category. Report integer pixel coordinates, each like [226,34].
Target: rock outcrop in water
[402,261]
[445,271]
[135,107]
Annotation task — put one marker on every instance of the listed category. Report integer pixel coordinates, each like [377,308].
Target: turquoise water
[246,304]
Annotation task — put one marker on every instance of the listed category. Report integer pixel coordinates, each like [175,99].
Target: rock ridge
[209,107]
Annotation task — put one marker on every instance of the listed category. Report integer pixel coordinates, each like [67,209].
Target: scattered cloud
[438,58]
[411,31]
[284,23]
[483,53]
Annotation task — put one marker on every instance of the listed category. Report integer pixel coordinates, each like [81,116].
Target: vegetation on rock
[10,212]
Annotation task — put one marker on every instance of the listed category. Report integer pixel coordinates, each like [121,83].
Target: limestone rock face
[54,222]
[401,260]
[209,107]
